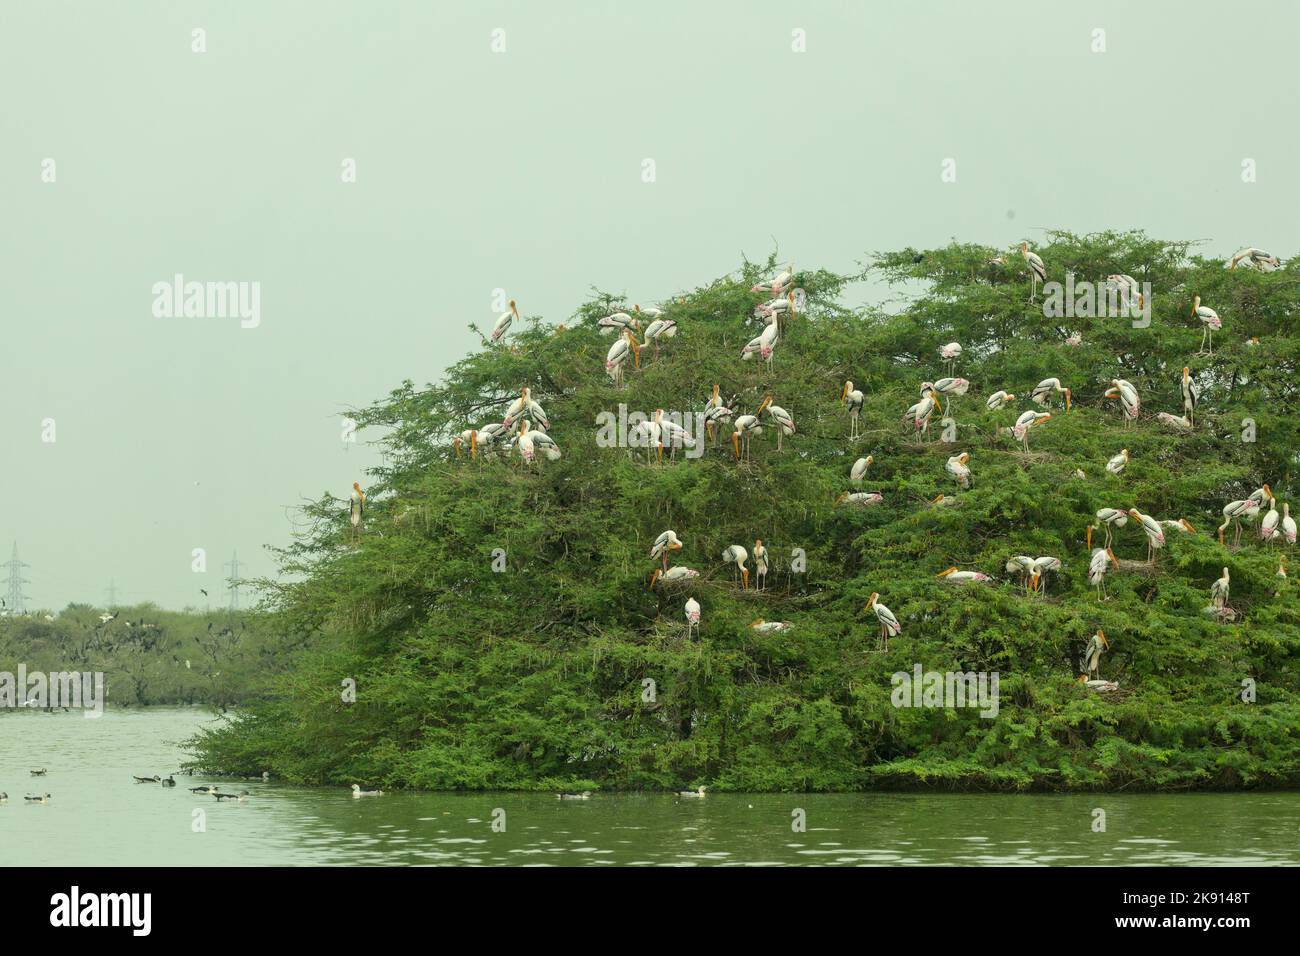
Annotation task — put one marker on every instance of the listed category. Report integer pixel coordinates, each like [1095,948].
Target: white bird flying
[1155,533]
[735,554]
[1209,319]
[1037,270]
[854,398]
[504,322]
[957,467]
[859,469]
[889,626]
[1261,260]
[1044,390]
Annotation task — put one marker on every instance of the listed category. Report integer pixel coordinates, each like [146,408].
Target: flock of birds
[522,430]
[167,781]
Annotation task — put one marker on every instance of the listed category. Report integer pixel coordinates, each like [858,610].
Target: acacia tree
[499,626]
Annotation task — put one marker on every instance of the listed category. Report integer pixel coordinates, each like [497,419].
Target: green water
[98,816]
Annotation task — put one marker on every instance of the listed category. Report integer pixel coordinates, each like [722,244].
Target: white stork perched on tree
[859,469]
[648,435]
[859,498]
[524,405]
[1097,570]
[945,386]
[1129,289]
[1288,524]
[1037,270]
[735,554]
[659,328]
[761,626]
[854,398]
[356,509]
[950,353]
[889,626]
[1209,320]
[1233,512]
[1183,425]
[783,420]
[764,344]
[1108,518]
[666,542]
[692,616]
[953,576]
[1023,565]
[504,322]
[1092,655]
[747,426]
[1261,260]
[1118,463]
[760,565]
[1268,524]
[1128,398]
[920,415]
[617,322]
[674,575]
[1191,395]
[672,434]
[959,469]
[1044,390]
[1037,569]
[998,399]
[777,285]
[1026,421]
[1155,533]
[618,354]
[1219,590]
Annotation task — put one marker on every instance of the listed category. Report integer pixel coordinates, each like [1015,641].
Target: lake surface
[99,817]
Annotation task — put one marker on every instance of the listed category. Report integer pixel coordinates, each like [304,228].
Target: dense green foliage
[151,656]
[533,678]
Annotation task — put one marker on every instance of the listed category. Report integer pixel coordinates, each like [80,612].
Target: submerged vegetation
[500,625]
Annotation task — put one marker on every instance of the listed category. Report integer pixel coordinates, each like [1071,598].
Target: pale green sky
[520,170]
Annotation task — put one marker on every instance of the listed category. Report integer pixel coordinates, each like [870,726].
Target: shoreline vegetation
[500,625]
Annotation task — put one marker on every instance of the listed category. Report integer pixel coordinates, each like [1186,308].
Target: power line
[233,580]
[17,600]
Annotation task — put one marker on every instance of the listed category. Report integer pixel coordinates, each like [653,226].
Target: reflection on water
[98,816]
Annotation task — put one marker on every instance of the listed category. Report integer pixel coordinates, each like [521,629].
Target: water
[98,816]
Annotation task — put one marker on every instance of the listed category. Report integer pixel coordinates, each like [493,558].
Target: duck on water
[37,798]
[372,792]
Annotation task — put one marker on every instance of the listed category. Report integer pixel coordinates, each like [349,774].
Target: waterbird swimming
[242,795]
[358,792]
[585,795]
[204,790]
[38,773]
[154,779]
[691,793]
[37,798]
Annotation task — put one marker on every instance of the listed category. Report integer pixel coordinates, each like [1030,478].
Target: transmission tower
[112,593]
[233,580]
[16,600]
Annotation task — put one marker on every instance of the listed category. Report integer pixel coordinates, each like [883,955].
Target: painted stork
[1023,565]
[853,397]
[1261,260]
[1219,590]
[1097,644]
[998,399]
[1288,524]
[1181,525]
[1129,289]
[777,285]
[1233,512]
[735,554]
[1037,569]
[1044,390]
[959,469]
[953,576]
[859,499]
[674,575]
[1097,570]
[618,354]
[1117,464]
[1128,398]
[692,617]
[1026,421]
[889,626]
[920,415]
[859,469]
[617,322]
[760,565]
[1268,524]
[1191,395]
[504,321]
[524,405]
[950,353]
[356,509]
[1183,425]
[1155,533]
[1108,518]
[659,328]
[747,426]
[1037,270]
[1209,319]
[672,434]
[769,627]
[783,420]
[665,543]
[763,345]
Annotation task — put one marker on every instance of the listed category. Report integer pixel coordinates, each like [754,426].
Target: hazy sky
[520,170]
